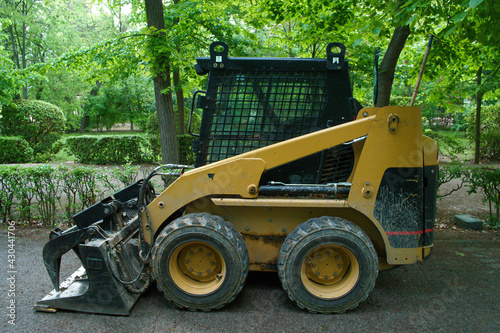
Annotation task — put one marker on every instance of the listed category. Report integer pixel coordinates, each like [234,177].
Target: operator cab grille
[257,109]
[255,102]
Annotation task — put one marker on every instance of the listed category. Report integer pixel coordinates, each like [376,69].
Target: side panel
[394,142]
[399,206]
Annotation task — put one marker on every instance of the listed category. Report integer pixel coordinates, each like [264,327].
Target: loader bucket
[104,238]
[92,288]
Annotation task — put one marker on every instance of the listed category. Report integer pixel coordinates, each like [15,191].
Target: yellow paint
[227,188]
[197,268]
[329,271]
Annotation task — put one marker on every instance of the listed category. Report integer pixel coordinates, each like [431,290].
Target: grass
[64,156]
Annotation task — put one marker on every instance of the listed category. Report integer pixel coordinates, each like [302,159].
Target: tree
[160,56]
[303,29]
[385,76]
[23,31]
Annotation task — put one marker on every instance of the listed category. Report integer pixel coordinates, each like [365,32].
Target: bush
[186,155]
[110,149]
[490,131]
[488,181]
[455,170]
[47,195]
[184,142]
[15,150]
[40,123]
[449,143]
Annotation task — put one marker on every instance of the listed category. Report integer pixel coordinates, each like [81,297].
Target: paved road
[457,290]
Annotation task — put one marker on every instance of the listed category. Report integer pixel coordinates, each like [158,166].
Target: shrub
[449,144]
[490,131]
[81,187]
[15,150]
[47,194]
[455,170]
[38,122]
[488,181]
[110,149]
[8,188]
[184,142]
[186,155]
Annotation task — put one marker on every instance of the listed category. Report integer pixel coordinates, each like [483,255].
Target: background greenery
[73,70]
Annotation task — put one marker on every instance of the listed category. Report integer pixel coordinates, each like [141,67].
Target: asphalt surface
[457,290]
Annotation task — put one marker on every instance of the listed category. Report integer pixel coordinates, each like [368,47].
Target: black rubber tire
[211,232]
[324,232]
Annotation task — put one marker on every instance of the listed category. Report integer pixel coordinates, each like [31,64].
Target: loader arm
[240,175]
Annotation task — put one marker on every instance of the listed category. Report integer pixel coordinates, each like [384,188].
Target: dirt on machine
[292,175]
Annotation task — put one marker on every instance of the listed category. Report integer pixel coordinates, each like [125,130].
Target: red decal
[398,233]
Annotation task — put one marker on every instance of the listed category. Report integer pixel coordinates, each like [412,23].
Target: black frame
[255,102]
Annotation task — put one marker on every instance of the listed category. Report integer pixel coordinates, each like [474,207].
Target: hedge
[119,149]
[110,149]
[15,150]
[46,194]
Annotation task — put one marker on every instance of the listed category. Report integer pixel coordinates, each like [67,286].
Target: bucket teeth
[57,247]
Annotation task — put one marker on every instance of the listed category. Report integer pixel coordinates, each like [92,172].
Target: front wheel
[327,265]
[200,262]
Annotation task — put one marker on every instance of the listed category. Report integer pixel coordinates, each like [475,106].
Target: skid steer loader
[291,175]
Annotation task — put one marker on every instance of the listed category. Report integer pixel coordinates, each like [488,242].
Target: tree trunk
[388,65]
[84,122]
[479,101]
[23,50]
[179,93]
[164,103]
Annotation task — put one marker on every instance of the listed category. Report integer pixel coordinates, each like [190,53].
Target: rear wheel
[200,262]
[327,265]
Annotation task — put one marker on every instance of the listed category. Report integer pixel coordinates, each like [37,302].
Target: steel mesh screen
[255,109]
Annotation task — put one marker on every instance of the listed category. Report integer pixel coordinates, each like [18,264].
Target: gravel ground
[456,290]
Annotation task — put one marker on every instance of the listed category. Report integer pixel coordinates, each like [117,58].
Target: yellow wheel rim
[197,268]
[329,271]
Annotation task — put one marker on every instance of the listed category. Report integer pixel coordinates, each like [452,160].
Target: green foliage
[15,150]
[80,186]
[448,172]
[450,144]
[186,155]
[46,186]
[9,79]
[184,142]
[128,100]
[303,29]
[400,101]
[118,177]
[9,186]
[487,180]
[40,123]
[490,131]
[110,149]
[47,195]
